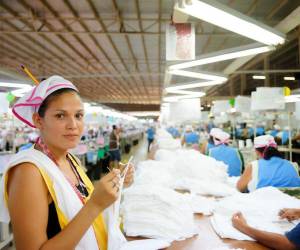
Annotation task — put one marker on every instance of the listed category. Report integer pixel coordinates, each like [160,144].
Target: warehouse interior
[195,102]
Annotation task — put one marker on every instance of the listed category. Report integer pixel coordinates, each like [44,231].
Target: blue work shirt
[191,138]
[230,156]
[150,133]
[277,172]
[294,236]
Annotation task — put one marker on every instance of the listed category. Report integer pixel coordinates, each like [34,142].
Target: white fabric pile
[205,187]
[154,173]
[197,173]
[165,140]
[157,212]
[259,208]
[163,134]
[200,204]
[165,143]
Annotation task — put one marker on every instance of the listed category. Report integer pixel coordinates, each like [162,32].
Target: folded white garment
[260,209]
[154,173]
[205,187]
[157,212]
[200,204]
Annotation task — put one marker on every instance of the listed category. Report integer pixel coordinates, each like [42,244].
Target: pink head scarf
[31,101]
[221,137]
[264,141]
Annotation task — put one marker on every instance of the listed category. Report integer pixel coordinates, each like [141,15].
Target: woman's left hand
[129,178]
[238,221]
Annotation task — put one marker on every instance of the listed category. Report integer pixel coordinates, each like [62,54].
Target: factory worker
[289,241]
[283,136]
[190,138]
[45,193]
[269,170]
[209,144]
[275,131]
[230,156]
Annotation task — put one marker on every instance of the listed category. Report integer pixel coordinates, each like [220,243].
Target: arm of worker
[272,240]
[182,140]
[242,160]
[203,147]
[28,202]
[242,184]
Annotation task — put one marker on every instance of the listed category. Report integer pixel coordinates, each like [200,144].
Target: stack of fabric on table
[196,172]
[154,173]
[157,212]
[260,209]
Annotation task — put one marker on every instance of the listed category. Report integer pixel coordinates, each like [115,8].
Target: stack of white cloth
[260,209]
[197,173]
[154,173]
[205,187]
[165,140]
[163,134]
[168,143]
[200,204]
[157,212]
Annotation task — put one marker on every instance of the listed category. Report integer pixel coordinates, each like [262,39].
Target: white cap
[213,131]
[264,141]
[221,137]
[188,128]
[277,127]
[31,101]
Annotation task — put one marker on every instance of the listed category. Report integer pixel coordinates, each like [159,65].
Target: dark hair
[211,140]
[52,97]
[269,152]
[114,127]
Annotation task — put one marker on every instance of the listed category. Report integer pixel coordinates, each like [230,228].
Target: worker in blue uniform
[289,241]
[190,138]
[209,144]
[229,155]
[269,170]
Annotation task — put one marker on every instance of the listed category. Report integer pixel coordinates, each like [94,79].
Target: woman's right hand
[290,214]
[106,190]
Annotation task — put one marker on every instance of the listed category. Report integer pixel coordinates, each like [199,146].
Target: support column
[243,83]
[231,87]
[267,67]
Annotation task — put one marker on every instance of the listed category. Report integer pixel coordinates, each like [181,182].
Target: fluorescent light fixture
[292,98]
[181,92]
[177,98]
[259,77]
[227,18]
[205,76]
[21,88]
[194,85]
[14,85]
[289,78]
[222,57]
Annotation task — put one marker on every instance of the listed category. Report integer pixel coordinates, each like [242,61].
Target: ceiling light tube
[198,75]
[259,77]
[227,18]
[14,85]
[289,78]
[222,57]
[194,85]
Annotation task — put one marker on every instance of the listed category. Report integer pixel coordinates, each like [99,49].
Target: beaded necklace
[81,185]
